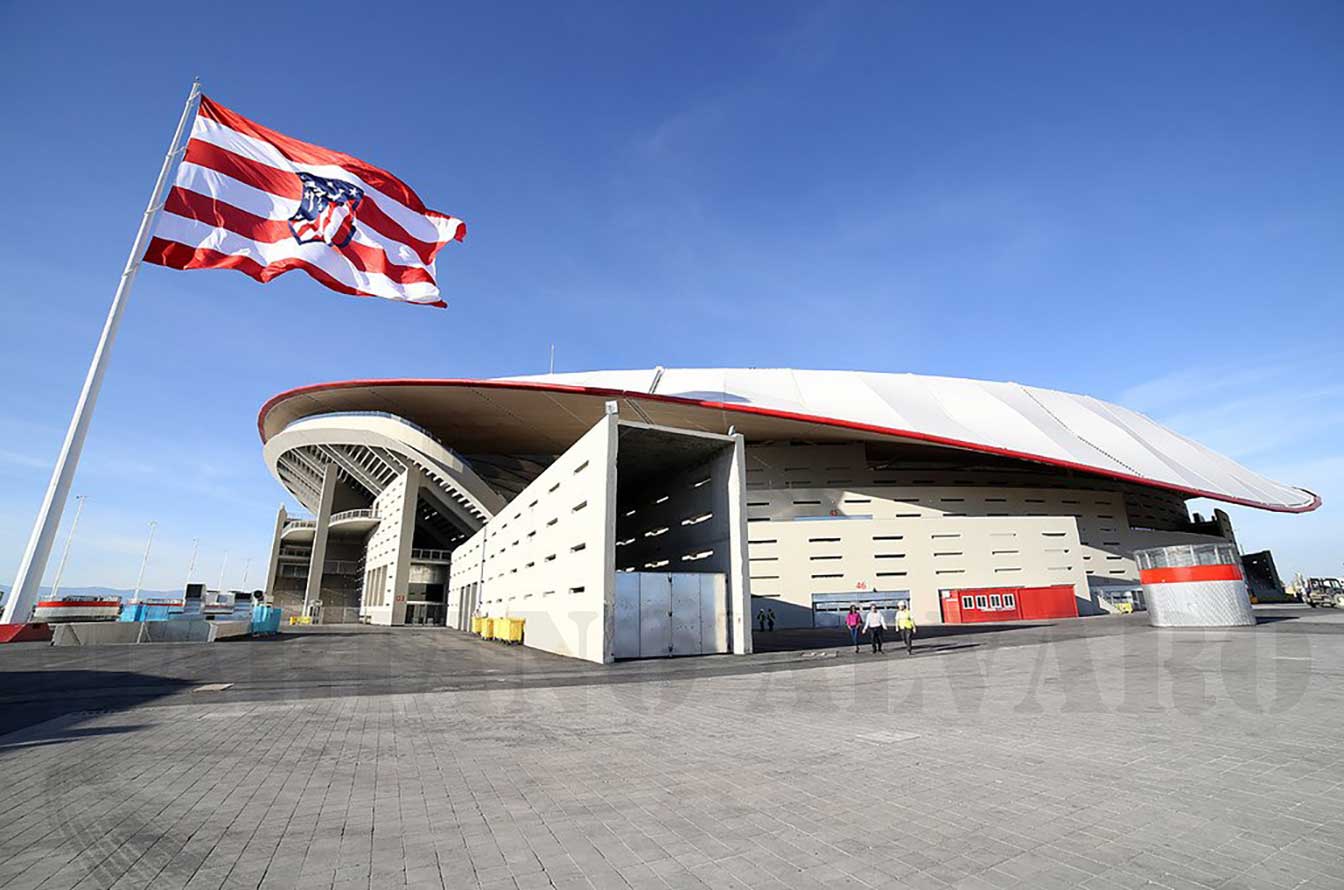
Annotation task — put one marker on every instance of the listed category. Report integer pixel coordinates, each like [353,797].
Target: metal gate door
[655,614]
[685,614]
[658,614]
[713,614]
[625,639]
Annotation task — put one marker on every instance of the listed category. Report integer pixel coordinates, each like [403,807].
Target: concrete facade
[837,487]
[605,505]
[387,563]
[824,520]
[548,557]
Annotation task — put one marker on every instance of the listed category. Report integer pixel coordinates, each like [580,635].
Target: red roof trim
[783,415]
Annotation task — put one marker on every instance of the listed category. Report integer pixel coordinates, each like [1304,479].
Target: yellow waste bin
[511,632]
[487,628]
[476,623]
[501,629]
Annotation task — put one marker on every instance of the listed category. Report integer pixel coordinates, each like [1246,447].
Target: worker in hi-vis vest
[905,625]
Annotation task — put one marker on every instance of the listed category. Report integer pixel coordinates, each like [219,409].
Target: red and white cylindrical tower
[1194,585]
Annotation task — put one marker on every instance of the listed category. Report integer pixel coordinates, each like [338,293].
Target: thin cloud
[1280,417]
[27,461]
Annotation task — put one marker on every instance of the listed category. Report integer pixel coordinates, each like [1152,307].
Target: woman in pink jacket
[854,621]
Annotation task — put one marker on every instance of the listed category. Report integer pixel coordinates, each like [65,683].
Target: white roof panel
[1024,421]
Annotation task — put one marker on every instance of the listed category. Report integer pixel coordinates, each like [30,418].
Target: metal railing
[354,514]
[362,513]
[352,567]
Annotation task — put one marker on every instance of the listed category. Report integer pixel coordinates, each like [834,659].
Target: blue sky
[1142,203]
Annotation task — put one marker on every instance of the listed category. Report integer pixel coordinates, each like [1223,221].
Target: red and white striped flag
[251,199]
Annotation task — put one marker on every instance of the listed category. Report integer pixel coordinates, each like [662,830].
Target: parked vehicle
[1324,593]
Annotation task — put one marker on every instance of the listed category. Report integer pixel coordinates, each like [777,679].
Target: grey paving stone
[1083,759]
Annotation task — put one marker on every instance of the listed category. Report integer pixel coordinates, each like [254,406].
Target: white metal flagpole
[140,579]
[65,554]
[24,595]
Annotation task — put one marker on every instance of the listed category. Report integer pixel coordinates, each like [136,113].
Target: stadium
[657,512]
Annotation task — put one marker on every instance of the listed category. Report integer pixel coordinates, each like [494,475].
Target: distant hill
[118,592]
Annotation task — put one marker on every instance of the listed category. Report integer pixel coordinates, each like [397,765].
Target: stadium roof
[546,414]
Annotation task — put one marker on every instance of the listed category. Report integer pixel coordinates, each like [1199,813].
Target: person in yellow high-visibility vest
[905,625]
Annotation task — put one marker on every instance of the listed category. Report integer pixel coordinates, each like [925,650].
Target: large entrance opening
[674,540]
[631,544]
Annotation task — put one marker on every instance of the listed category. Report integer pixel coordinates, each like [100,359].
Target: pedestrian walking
[905,624]
[760,620]
[853,620]
[875,624]
[770,619]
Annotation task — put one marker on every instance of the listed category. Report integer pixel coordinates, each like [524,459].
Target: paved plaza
[1095,753]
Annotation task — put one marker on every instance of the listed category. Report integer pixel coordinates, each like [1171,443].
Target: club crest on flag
[326,211]
[249,198]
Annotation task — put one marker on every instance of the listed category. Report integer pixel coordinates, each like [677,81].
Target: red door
[1056,601]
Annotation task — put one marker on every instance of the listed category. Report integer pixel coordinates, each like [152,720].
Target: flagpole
[140,579]
[23,596]
[65,554]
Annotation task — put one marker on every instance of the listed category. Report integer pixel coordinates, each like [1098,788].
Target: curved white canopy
[546,414]
[1006,418]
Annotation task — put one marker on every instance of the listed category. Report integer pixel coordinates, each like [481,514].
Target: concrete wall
[822,521]
[547,556]
[839,466]
[387,555]
[678,524]
[551,555]
[791,561]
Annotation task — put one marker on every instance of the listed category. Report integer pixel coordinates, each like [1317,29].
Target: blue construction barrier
[156,611]
[146,611]
[265,620]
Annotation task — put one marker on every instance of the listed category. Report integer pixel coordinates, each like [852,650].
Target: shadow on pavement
[283,637]
[32,697]
[58,732]
[799,638]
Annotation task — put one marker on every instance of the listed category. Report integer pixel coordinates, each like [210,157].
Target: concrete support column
[401,575]
[318,558]
[739,579]
[281,517]
[607,652]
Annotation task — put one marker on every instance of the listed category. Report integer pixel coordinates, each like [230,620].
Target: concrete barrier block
[96,633]
[191,630]
[227,630]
